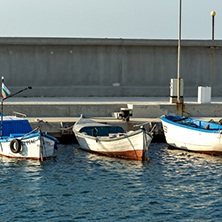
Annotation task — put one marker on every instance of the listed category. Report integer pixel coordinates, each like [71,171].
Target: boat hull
[34,147]
[132,145]
[192,139]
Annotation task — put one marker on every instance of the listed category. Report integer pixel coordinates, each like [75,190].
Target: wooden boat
[192,134]
[112,140]
[18,140]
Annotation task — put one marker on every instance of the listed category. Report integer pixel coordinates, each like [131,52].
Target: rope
[31,132]
[142,124]
[43,121]
[146,148]
[67,128]
[44,148]
[41,154]
[152,128]
[130,143]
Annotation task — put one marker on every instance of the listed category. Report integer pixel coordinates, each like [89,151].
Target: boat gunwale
[111,139]
[10,138]
[164,119]
[28,136]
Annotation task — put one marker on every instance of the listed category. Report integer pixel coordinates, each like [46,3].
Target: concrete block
[204,94]
[147,111]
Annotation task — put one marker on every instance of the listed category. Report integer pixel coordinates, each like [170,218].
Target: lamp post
[178,65]
[213,13]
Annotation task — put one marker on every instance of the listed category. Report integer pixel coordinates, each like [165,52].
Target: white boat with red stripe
[111,140]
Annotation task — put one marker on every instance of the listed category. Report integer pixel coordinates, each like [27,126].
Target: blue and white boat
[192,134]
[19,140]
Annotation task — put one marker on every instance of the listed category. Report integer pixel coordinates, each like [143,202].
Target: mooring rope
[30,132]
[67,128]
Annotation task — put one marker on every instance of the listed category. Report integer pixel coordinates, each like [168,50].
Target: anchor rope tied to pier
[67,128]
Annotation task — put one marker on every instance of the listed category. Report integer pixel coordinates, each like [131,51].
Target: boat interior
[188,121]
[101,130]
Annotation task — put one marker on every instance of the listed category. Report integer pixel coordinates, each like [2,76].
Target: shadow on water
[190,155]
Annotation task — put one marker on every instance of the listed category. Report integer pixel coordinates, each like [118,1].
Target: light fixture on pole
[213,13]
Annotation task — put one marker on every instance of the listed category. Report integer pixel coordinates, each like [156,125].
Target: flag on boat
[5,91]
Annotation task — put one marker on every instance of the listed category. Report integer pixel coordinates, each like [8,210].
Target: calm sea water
[78,186]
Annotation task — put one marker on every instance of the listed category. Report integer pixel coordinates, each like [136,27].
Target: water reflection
[192,157]
[174,185]
[190,177]
[16,161]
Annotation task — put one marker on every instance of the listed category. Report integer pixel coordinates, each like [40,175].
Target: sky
[127,19]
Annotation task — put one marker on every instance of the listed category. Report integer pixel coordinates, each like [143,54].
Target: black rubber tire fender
[15,146]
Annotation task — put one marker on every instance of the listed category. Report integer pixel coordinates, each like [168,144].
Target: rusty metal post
[213,13]
[178,65]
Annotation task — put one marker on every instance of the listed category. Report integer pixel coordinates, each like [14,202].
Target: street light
[178,65]
[213,13]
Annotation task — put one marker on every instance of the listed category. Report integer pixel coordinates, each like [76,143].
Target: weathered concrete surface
[142,107]
[52,115]
[195,110]
[58,67]
[62,127]
[63,110]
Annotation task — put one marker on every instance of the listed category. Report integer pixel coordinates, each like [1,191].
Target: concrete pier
[56,116]
[82,67]
[98,77]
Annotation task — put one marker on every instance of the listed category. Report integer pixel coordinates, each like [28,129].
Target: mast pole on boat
[2,109]
[178,65]
[11,95]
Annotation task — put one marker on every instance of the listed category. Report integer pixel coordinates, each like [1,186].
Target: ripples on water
[78,186]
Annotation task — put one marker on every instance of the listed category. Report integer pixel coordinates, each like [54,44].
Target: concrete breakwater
[56,116]
[83,67]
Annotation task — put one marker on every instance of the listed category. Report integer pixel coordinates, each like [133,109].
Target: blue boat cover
[15,125]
